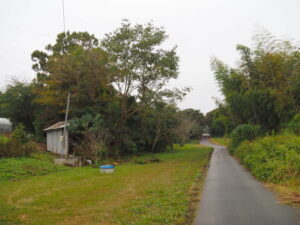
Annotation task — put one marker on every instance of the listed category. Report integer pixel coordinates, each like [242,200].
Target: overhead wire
[64,20]
[5,62]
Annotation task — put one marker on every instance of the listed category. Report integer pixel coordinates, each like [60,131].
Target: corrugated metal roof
[58,125]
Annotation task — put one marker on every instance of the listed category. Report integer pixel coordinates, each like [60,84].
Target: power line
[63,9]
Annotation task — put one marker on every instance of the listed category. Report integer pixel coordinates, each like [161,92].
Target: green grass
[152,193]
[220,141]
[19,168]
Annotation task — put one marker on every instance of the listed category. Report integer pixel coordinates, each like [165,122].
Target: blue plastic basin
[107,167]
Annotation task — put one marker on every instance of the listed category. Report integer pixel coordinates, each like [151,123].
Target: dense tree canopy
[120,102]
[264,87]
[17,103]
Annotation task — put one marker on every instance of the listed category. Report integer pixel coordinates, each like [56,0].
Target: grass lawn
[37,164]
[153,193]
[220,141]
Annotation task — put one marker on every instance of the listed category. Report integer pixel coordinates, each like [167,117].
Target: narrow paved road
[231,196]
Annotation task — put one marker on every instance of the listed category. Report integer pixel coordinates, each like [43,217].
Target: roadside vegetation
[151,193]
[274,159]
[261,112]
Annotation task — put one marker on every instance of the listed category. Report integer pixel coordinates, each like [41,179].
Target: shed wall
[54,144]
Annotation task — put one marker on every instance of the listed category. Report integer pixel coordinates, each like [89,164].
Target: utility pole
[63,137]
[65,126]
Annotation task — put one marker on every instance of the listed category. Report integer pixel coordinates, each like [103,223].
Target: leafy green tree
[243,132]
[138,65]
[140,70]
[123,80]
[73,64]
[262,88]
[17,104]
[195,120]
[219,121]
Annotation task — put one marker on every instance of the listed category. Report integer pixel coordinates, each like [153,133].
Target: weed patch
[19,168]
[270,159]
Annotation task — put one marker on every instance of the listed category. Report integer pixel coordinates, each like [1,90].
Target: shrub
[294,124]
[242,133]
[92,145]
[271,159]
[17,145]
[19,135]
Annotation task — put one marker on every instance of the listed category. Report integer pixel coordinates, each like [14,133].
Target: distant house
[55,141]
[5,125]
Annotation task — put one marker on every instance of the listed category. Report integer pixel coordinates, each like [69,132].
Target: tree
[138,66]
[262,88]
[17,104]
[122,80]
[194,121]
[73,64]
[140,70]
[219,121]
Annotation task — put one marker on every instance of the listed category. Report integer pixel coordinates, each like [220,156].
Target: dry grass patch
[287,194]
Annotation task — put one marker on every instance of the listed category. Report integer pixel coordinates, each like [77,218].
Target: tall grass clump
[274,159]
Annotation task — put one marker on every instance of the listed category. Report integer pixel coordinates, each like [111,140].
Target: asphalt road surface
[231,196]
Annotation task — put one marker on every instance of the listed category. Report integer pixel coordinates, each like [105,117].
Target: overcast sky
[200,28]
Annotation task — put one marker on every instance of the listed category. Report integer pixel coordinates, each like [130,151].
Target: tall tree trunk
[156,136]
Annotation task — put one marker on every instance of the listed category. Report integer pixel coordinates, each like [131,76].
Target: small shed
[55,142]
[5,125]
